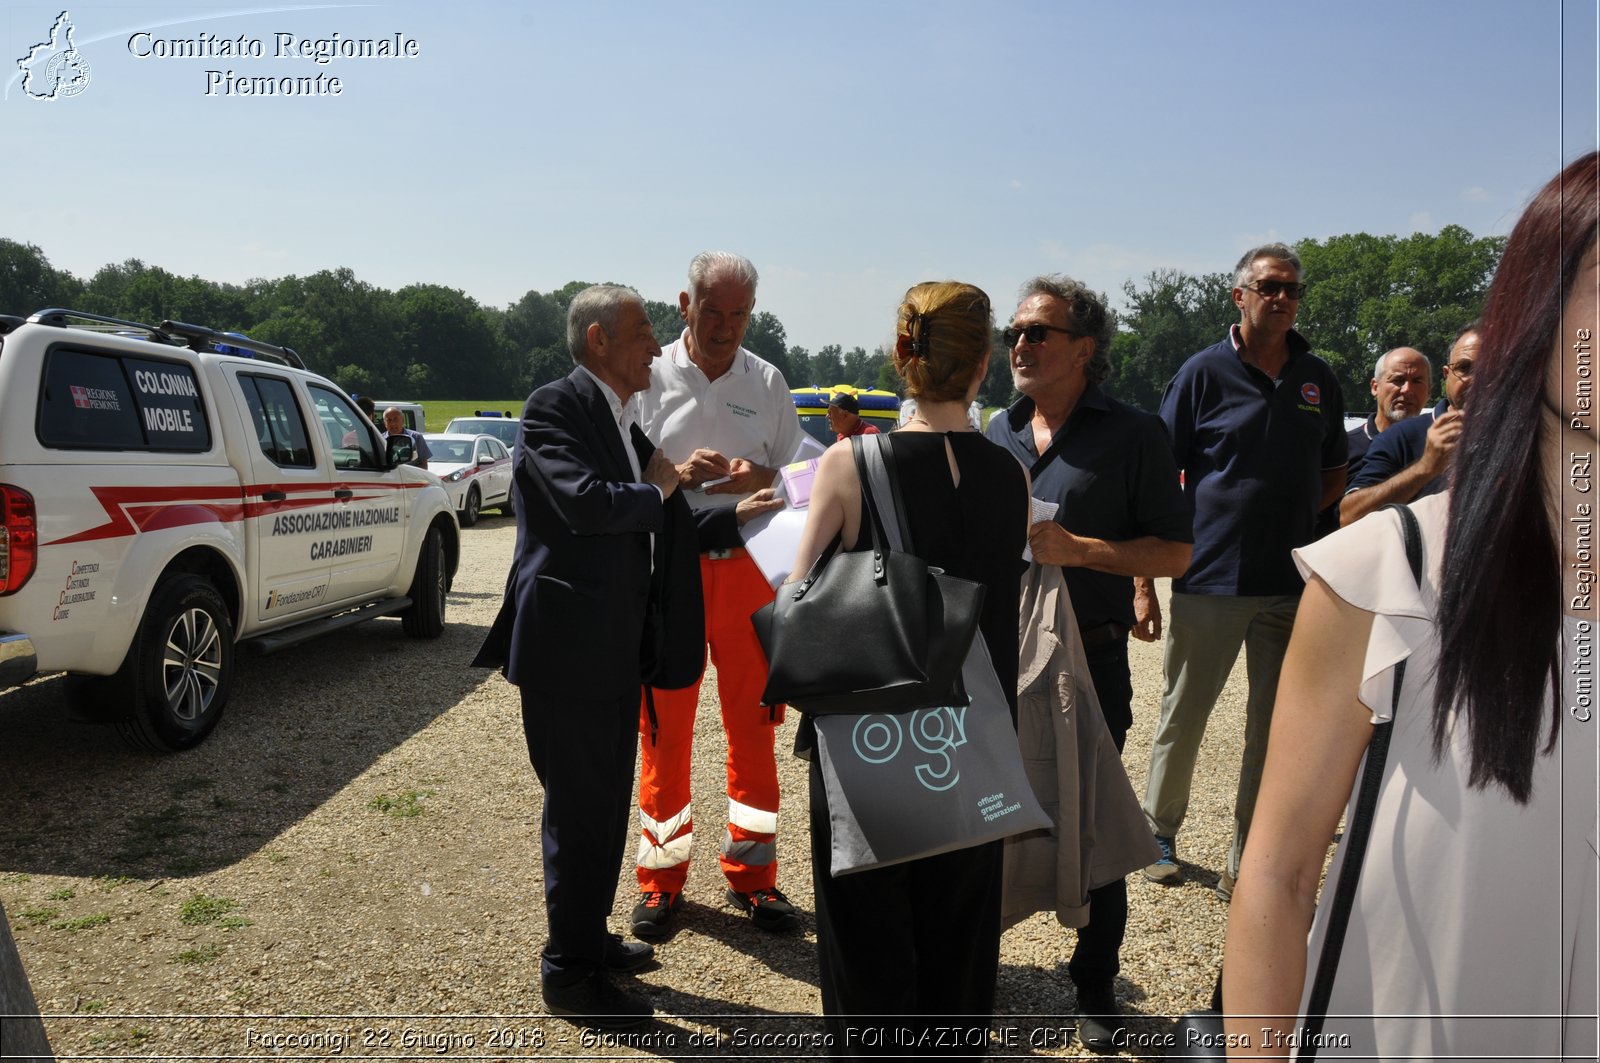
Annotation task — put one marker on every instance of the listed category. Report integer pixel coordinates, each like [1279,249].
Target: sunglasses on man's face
[1032,333]
[1272,289]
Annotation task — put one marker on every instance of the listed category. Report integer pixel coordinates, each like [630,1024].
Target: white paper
[1038,510]
[773,539]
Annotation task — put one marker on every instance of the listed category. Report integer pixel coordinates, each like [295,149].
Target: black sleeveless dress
[906,948]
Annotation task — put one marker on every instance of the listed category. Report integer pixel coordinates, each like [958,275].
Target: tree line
[1366,294]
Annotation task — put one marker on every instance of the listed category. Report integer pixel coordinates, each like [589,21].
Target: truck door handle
[343,494]
[273,496]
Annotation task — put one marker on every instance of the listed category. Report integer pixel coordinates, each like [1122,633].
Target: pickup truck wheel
[424,617]
[179,669]
[469,516]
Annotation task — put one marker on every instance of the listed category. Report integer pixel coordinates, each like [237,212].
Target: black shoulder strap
[871,521]
[1360,828]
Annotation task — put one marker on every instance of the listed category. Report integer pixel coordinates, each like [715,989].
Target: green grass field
[440,411]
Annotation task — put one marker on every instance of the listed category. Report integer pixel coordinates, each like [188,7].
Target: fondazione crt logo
[54,69]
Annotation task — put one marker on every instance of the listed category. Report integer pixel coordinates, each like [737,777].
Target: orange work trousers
[734,588]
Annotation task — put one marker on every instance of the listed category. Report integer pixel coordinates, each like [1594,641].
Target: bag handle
[880,480]
[1360,831]
[874,524]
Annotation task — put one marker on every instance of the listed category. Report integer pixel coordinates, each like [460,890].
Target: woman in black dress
[913,949]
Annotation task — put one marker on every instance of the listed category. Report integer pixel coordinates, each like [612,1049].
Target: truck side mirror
[398,451]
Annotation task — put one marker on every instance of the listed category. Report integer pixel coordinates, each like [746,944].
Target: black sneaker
[1100,1025]
[624,956]
[596,1003]
[769,909]
[652,916]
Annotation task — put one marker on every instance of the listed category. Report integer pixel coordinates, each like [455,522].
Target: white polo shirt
[746,412]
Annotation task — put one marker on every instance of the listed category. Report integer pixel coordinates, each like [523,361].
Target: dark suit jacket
[583,616]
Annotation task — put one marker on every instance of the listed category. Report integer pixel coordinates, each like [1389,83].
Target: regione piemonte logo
[55,69]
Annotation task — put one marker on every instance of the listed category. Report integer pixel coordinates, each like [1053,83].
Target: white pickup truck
[170,494]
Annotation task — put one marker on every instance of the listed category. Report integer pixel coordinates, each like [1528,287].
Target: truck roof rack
[198,336]
[177,333]
[59,317]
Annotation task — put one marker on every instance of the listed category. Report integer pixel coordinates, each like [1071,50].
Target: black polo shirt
[1253,451]
[1111,470]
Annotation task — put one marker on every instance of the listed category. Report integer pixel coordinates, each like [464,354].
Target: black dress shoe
[597,1003]
[1100,1025]
[624,956]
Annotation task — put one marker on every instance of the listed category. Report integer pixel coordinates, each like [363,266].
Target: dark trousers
[583,753]
[1097,960]
[906,949]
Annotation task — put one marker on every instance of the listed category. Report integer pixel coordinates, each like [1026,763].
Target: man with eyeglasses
[1120,513]
[1413,460]
[1257,425]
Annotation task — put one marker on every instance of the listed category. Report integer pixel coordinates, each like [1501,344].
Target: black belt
[1103,635]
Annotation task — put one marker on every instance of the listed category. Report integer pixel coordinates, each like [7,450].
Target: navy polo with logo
[1397,447]
[1252,450]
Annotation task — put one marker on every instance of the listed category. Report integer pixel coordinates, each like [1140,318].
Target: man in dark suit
[603,593]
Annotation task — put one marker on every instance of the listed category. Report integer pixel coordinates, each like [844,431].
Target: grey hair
[598,304]
[1086,315]
[707,265]
[1281,252]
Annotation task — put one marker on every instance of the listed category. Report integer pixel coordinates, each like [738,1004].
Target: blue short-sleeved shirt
[1357,440]
[1252,451]
[1394,449]
[1110,468]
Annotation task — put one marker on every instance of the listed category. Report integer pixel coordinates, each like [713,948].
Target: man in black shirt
[1120,513]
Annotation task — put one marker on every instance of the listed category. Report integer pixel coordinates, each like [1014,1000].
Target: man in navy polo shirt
[1257,425]
[1402,379]
[1411,461]
[1120,513]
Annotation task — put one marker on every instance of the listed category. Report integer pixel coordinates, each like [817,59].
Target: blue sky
[850,149]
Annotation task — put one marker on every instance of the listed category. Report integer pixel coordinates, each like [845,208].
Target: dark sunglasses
[1031,333]
[1271,289]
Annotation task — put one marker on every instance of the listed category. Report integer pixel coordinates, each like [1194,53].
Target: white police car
[476,471]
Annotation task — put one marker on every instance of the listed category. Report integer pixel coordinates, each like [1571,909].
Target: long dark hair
[1500,602]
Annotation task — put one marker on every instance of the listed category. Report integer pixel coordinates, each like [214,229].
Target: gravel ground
[348,868]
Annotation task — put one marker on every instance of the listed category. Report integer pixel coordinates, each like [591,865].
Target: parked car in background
[503,426]
[881,409]
[476,470]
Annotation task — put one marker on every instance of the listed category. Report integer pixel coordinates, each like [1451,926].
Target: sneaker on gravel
[652,916]
[1225,884]
[768,909]
[1166,870]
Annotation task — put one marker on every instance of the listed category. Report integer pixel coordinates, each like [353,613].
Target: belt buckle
[719,555]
